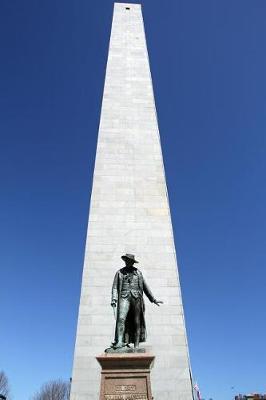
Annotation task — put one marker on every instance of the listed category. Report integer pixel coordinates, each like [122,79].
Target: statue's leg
[137,311]
[122,315]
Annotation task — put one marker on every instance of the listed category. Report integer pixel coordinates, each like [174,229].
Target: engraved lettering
[126,396]
[125,388]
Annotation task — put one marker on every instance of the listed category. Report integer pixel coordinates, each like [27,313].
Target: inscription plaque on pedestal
[125,376]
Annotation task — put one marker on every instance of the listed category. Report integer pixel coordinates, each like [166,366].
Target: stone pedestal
[125,376]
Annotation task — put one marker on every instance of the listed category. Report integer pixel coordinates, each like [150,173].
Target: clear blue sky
[208,63]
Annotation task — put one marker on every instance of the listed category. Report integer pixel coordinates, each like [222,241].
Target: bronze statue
[127,297]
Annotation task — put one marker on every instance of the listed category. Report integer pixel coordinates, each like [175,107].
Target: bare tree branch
[53,390]
[4,385]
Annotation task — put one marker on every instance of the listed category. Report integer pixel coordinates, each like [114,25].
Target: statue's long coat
[129,336]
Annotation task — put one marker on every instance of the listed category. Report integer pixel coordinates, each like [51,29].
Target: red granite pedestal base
[125,376]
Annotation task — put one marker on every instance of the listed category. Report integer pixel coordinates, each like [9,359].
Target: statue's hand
[113,303]
[158,302]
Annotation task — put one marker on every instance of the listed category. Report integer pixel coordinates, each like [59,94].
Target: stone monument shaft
[129,213]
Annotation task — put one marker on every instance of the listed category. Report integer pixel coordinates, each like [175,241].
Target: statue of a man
[127,296]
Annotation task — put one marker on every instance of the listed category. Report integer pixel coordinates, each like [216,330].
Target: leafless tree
[4,385]
[53,390]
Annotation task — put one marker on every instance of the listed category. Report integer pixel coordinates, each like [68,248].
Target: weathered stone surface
[129,213]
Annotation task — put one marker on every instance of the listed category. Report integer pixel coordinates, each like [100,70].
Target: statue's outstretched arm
[149,294]
[148,291]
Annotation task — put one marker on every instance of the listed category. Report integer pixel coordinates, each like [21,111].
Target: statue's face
[129,263]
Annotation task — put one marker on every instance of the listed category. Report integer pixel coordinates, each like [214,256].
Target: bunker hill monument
[130,218]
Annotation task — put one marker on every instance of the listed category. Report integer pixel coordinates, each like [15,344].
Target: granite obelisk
[129,213]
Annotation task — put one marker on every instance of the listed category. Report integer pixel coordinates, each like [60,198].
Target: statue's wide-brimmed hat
[129,257]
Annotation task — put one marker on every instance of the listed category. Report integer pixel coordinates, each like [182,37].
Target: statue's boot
[119,345]
[137,336]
